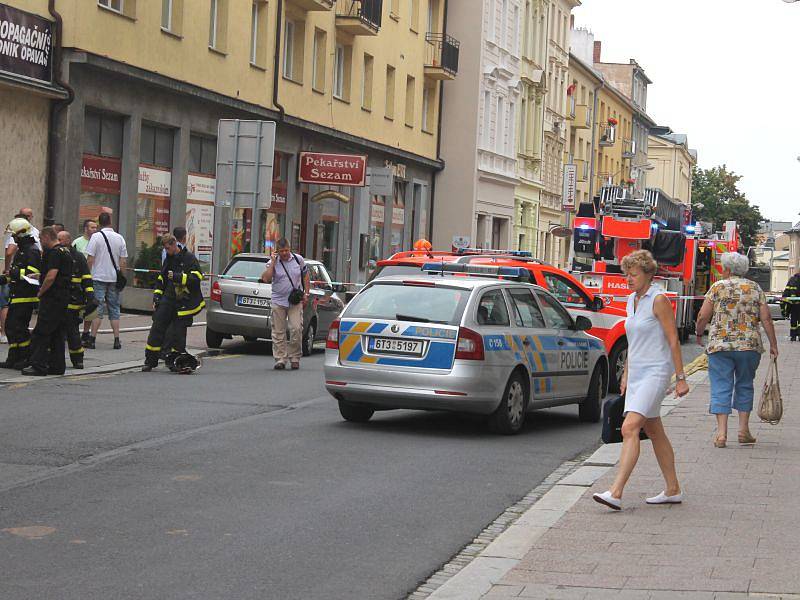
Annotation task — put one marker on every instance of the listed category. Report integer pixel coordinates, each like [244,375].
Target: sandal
[720,441]
[746,438]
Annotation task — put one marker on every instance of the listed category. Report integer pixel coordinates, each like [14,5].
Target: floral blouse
[734,324]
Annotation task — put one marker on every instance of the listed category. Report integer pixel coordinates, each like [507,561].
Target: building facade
[672,161]
[475,192]
[152,79]
[581,109]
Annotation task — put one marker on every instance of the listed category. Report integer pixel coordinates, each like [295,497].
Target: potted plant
[613,121]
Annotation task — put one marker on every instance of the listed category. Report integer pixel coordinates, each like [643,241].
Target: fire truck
[616,223]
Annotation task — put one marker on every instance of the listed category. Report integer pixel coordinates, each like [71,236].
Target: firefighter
[81,299]
[27,262]
[47,342]
[791,305]
[176,299]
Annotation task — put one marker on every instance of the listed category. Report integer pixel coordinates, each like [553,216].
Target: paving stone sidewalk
[737,534]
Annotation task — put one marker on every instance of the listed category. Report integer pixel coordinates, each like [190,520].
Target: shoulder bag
[296,295]
[122,281]
[770,407]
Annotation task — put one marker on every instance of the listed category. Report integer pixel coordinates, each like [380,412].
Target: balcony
[441,59]
[582,118]
[628,148]
[359,17]
[312,5]
[570,110]
[608,135]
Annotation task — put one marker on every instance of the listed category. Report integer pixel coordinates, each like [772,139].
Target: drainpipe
[276,62]
[438,137]
[56,108]
[594,141]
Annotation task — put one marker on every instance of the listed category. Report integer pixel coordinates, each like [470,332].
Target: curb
[508,549]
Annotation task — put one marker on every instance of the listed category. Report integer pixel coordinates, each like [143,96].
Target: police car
[462,338]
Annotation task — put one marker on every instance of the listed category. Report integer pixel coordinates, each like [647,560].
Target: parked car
[774,303]
[242,306]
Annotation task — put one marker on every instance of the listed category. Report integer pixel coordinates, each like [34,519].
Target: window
[555,314]
[566,291]
[386,300]
[156,146]
[498,137]
[492,27]
[411,92]
[202,155]
[428,107]
[432,12]
[523,126]
[515,32]
[218,25]
[294,50]
[526,311]
[413,22]
[394,8]
[115,5]
[102,135]
[166,14]
[509,127]
[341,71]
[492,309]
[258,34]
[389,100]
[366,83]
[212,28]
[320,55]
[487,118]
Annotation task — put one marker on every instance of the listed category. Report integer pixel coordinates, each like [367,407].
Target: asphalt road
[241,482]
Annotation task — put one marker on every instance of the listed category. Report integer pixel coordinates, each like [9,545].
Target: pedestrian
[735,307]
[176,299]
[790,305]
[288,274]
[47,342]
[81,298]
[654,353]
[26,261]
[108,254]
[80,244]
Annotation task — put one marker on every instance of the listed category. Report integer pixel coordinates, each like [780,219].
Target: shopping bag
[770,407]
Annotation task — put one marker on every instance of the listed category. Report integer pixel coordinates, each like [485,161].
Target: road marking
[33,532]
[187,478]
[182,532]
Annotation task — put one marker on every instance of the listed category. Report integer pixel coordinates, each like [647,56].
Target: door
[572,361]
[494,325]
[537,344]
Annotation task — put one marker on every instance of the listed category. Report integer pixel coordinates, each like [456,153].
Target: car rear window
[246,267]
[388,270]
[438,304]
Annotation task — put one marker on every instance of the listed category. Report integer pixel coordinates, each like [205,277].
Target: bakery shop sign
[333,169]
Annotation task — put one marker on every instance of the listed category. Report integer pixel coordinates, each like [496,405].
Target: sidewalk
[105,359]
[737,534]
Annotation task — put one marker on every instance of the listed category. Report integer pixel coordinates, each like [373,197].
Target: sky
[724,72]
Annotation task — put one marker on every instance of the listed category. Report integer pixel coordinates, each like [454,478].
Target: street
[242,482]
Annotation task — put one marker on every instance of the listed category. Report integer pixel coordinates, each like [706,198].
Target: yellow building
[152,78]
[672,161]
[585,83]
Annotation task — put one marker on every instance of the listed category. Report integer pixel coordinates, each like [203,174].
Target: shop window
[258,34]
[320,59]
[397,241]
[102,135]
[218,25]
[342,68]
[366,83]
[376,220]
[411,92]
[389,100]
[202,155]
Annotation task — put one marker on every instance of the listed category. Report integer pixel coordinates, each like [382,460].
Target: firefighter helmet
[423,244]
[19,227]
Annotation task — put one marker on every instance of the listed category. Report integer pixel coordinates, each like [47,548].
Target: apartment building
[475,192]
[672,161]
[583,91]
[151,79]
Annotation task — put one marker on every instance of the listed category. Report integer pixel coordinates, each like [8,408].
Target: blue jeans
[732,374]
[5,291]
[107,294]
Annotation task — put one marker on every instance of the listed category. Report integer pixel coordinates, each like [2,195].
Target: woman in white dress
[654,354]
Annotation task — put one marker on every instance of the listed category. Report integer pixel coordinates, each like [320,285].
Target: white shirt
[103,269]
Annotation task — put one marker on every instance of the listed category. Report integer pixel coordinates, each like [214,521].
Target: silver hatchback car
[468,344]
[240,305]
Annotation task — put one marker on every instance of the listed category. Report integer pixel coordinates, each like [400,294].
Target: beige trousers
[280,316]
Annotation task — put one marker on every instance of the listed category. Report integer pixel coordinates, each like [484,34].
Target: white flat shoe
[662,498]
[609,500]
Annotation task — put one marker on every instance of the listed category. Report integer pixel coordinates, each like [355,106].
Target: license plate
[396,346]
[252,301]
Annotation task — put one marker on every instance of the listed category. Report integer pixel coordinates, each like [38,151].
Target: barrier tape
[792,298]
[245,278]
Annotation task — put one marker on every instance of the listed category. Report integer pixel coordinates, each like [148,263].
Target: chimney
[597,50]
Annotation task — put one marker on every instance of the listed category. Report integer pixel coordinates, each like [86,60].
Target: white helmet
[19,227]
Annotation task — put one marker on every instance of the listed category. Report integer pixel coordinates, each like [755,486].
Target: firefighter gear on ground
[791,305]
[27,262]
[81,301]
[47,343]
[177,299]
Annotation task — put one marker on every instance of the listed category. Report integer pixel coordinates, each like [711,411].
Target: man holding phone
[288,274]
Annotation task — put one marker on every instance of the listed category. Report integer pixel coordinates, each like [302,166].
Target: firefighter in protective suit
[81,299]
[177,297]
[791,305]
[27,262]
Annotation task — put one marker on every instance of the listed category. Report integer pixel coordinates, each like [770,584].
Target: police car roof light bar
[477,270]
[521,253]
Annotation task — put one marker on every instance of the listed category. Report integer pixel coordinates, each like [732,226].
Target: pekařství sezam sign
[333,169]
[26,44]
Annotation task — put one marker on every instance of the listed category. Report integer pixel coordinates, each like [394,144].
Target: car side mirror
[597,304]
[582,323]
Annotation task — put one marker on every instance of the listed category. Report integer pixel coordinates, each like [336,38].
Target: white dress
[650,365]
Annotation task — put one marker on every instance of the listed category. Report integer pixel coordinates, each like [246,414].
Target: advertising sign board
[26,44]
[333,169]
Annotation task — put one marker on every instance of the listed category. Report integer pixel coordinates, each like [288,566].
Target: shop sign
[398,169]
[398,216]
[376,213]
[333,169]
[381,181]
[278,204]
[200,223]
[100,174]
[570,187]
[153,205]
[200,188]
[26,44]
[154,182]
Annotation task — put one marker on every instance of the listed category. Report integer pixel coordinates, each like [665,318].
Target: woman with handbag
[654,354]
[735,307]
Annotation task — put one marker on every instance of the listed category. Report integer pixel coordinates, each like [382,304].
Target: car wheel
[213,339]
[617,358]
[356,413]
[590,409]
[308,339]
[509,417]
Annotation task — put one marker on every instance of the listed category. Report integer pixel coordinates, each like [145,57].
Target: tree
[716,189]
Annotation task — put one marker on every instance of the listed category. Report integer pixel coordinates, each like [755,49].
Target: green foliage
[722,201]
[148,257]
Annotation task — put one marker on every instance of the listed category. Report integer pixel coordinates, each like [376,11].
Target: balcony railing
[570,107]
[441,61]
[582,117]
[359,17]
[629,149]
[608,135]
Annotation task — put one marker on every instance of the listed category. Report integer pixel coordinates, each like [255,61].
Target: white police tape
[247,278]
